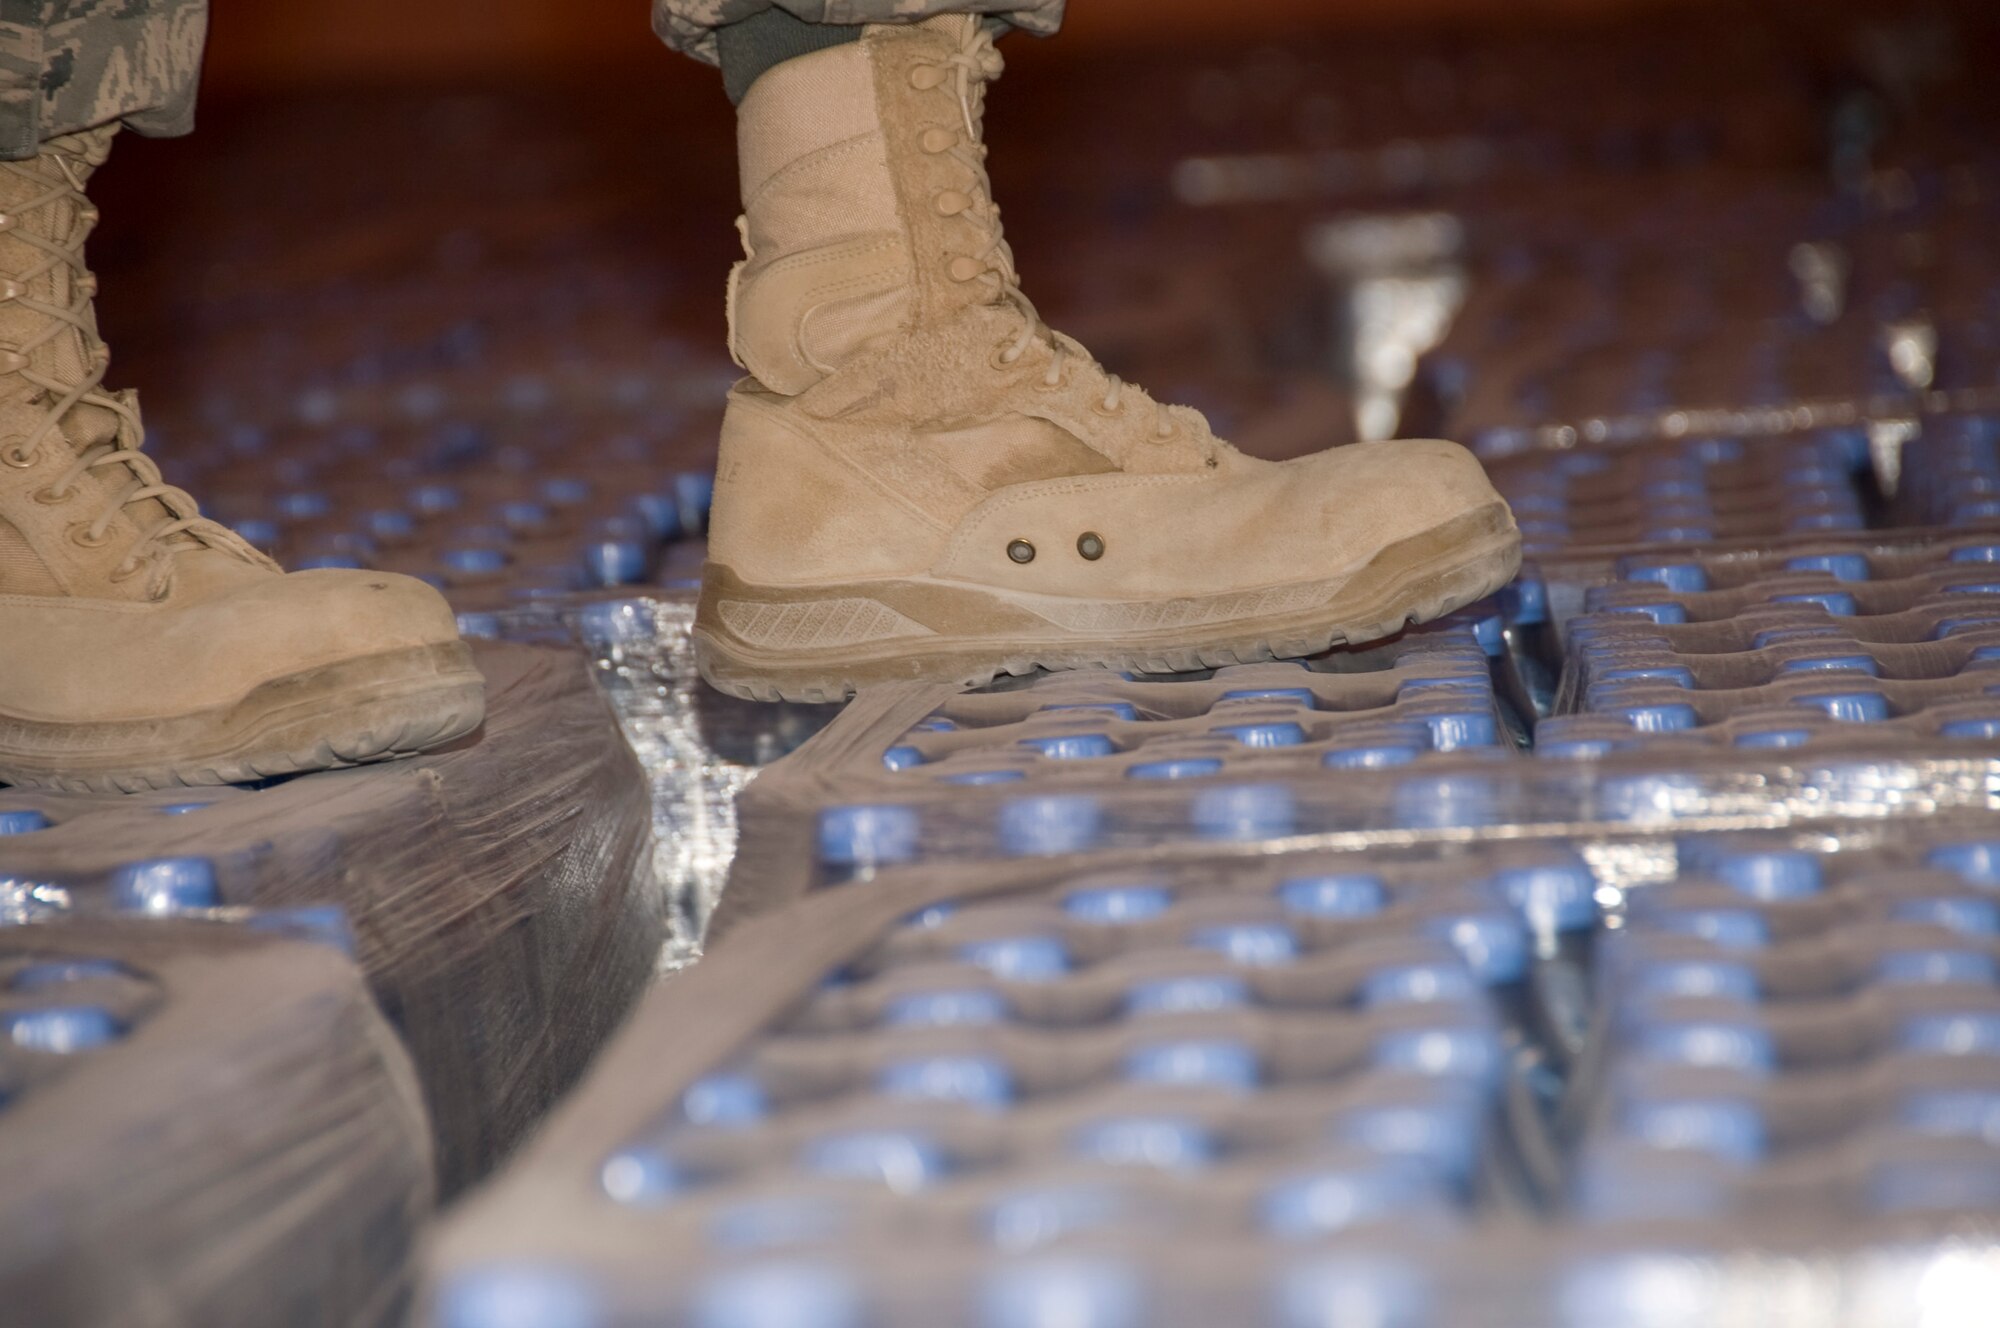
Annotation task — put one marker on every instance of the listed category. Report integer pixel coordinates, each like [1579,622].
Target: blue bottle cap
[1671,717]
[1976,553]
[60,1030]
[1433,983]
[1049,826]
[1956,1033]
[1526,602]
[1710,979]
[434,499]
[1445,802]
[1334,895]
[614,562]
[1442,1132]
[1710,1044]
[1841,566]
[1231,1066]
[1118,903]
[1241,812]
[902,758]
[1256,944]
[1966,916]
[661,513]
[1191,768]
[969,1008]
[1463,1051]
[1263,735]
[1728,1128]
[934,724]
[1974,588]
[1071,1292]
[1455,729]
[1730,928]
[1679,532]
[1371,756]
[166,885]
[1072,746]
[1976,861]
[782,1295]
[1950,627]
[868,836]
[644,1175]
[1192,994]
[258,532]
[1937,967]
[983,778]
[565,490]
[975,1081]
[1832,664]
[1353,1291]
[21,821]
[1849,707]
[1301,696]
[1772,739]
[1032,1218]
[1551,897]
[784,1222]
[1768,637]
[321,924]
[1170,1143]
[517,1295]
[1330,1200]
[1982,728]
[725,1100]
[1769,875]
[1952,1113]
[479,626]
[1836,602]
[696,492]
[1019,958]
[902,1161]
[1957,1184]
[327,562]
[1493,945]
[474,561]
[1683,578]
[306,505]
[60,972]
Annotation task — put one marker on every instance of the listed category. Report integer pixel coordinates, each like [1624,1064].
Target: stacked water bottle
[1814,650]
[1802,1047]
[56,1010]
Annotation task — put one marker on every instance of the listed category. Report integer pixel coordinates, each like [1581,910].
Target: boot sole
[822,643]
[356,712]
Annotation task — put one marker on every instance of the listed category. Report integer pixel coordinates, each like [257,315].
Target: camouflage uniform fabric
[689,25]
[67,65]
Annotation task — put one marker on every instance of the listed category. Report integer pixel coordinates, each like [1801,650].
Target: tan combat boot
[921,481]
[140,645]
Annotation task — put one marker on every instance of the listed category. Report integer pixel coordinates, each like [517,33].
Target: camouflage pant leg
[67,65]
[689,25]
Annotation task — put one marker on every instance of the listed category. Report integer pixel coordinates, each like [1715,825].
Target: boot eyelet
[1109,413]
[937,139]
[124,571]
[965,268]
[1043,384]
[1003,359]
[79,535]
[1090,544]
[48,497]
[952,202]
[1021,551]
[926,77]
[19,457]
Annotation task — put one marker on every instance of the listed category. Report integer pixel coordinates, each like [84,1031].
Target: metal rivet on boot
[1091,545]
[1021,551]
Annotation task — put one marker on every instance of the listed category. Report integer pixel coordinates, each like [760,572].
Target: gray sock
[750,47]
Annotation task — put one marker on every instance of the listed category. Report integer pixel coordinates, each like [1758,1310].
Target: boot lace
[141,479]
[976,63]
